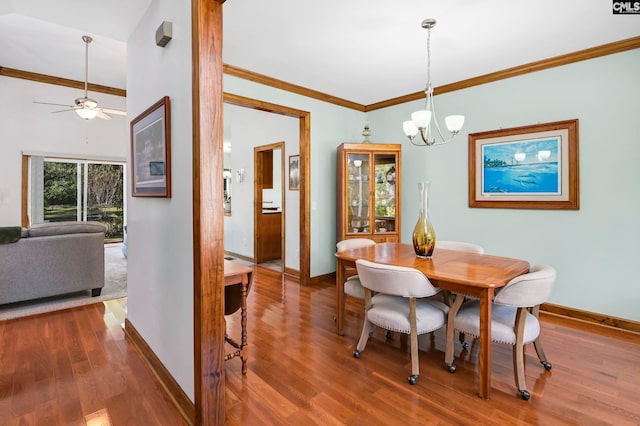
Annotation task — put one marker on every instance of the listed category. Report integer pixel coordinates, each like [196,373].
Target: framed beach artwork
[529,167]
[151,151]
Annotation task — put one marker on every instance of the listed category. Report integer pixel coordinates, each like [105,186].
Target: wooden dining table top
[451,266]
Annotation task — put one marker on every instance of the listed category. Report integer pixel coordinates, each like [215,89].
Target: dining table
[460,272]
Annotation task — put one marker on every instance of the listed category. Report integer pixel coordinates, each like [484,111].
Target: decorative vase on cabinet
[368,191]
[424,236]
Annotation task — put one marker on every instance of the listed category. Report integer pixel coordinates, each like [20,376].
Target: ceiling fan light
[87,114]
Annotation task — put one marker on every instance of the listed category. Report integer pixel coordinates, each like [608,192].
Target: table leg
[340,274]
[243,322]
[485,342]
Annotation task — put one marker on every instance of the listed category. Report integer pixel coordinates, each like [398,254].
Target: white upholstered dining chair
[460,246]
[352,286]
[514,319]
[400,304]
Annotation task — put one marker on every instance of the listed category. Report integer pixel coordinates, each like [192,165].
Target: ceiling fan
[86,107]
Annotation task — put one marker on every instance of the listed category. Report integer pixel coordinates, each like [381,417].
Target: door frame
[257,197]
[304,118]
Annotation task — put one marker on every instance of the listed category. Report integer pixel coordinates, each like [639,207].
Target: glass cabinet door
[358,192]
[385,193]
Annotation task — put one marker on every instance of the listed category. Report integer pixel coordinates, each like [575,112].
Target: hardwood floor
[64,367]
[74,367]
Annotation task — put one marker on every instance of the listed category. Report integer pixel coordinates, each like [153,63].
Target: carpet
[115,287]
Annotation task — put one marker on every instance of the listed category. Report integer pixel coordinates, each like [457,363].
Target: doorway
[269,207]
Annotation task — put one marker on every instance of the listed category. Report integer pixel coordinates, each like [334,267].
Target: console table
[236,273]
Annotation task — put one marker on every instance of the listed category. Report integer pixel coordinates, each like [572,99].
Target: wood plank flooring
[74,368]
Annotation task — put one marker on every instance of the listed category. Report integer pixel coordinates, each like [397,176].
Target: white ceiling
[363,51]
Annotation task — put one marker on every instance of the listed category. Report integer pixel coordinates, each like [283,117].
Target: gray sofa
[51,259]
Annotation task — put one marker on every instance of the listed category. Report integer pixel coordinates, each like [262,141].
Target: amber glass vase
[424,236]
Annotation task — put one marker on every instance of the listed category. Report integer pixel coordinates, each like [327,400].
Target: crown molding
[556,61]
[581,55]
[293,88]
[75,84]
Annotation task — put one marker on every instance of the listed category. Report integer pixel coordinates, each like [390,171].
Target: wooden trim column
[208,217]
[305,199]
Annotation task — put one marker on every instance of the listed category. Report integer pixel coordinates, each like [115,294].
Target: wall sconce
[240,175]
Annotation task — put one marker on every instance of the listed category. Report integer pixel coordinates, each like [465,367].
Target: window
[77,190]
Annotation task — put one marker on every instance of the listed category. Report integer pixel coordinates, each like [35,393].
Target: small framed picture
[294,172]
[151,151]
[529,167]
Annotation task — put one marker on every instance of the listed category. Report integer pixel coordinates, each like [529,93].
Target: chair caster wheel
[547,365]
[413,379]
[388,335]
[525,395]
[465,345]
[356,353]
[452,368]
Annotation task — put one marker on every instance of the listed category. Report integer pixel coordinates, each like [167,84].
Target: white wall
[248,128]
[595,249]
[160,230]
[30,127]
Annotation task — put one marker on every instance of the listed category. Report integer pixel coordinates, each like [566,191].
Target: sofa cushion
[10,234]
[70,227]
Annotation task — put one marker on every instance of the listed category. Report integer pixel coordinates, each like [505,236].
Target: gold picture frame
[528,167]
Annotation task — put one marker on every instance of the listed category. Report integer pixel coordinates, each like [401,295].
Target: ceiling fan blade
[104,116]
[114,111]
[49,103]
[63,110]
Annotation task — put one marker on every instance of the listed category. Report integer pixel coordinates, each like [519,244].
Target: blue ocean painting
[522,167]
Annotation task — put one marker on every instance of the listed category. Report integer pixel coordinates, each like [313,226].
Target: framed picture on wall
[151,151]
[294,172]
[529,167]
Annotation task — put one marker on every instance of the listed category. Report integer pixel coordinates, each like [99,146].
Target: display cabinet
[368,188]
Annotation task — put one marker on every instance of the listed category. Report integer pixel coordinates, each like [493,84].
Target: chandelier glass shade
[424,122]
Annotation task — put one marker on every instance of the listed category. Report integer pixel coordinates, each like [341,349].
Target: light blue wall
[595,249]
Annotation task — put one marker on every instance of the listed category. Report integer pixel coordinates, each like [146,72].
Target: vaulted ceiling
[364,51]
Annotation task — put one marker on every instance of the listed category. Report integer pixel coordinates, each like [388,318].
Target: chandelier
[422,120]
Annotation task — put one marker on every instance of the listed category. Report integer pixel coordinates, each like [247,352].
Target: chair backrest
[353,243]
[460,246]
[529,289]
[394,280]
